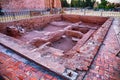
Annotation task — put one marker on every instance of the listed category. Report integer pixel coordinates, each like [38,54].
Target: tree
[95,6]
[75,3]
[64,3]
[103,4]
[79,3]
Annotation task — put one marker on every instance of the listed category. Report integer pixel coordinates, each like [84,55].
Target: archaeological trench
[63,44]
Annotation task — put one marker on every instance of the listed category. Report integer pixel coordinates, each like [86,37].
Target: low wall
[87,19]
[39,22]
[30,24]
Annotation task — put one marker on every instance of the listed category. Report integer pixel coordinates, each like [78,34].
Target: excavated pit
[65,43]
[57,39]
[56,25]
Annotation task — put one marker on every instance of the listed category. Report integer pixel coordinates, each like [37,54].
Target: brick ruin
[29,4]
[61,43]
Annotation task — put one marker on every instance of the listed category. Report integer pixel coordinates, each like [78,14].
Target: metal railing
[23,14]
[91,12]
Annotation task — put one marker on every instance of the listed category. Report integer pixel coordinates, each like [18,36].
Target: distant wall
[29,4]
[57,3]
[22,4]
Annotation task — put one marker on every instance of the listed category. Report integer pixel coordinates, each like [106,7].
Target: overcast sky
[116,1]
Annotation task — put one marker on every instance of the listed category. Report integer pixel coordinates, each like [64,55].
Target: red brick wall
[30,24]
[57,3]
[37,23]
[87,19]
[29,4]
[13,5]
[34,4]
[23,4]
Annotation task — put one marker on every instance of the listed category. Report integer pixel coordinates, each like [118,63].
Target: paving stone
[107,70]
[13,72]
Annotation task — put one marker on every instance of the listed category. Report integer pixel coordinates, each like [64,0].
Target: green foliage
[64,3]
[89,3]
[79,3]
[103,4]
[74,3]
[106,5]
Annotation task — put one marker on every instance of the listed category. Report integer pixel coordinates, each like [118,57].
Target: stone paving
[106,65]
[12,69]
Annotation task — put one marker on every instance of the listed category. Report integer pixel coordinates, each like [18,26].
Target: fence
[92,12]
[23,14]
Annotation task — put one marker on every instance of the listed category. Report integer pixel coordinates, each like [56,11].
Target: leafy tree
[79,3]
[110,6]
[64,3]
[106,5]
[88,3]
[75,3]
[82,3]
[103,4]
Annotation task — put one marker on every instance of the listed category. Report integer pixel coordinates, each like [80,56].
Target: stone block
[72,33]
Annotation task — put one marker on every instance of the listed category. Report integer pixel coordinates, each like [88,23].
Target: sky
[115,1]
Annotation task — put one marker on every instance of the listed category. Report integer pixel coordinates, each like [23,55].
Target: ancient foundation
[64,44]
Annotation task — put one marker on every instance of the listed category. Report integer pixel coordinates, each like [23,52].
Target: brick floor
[87,52]
[16,70]
[106,66]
